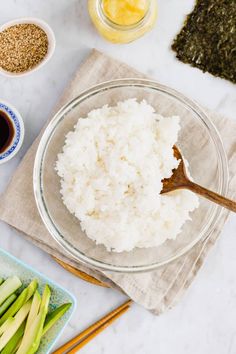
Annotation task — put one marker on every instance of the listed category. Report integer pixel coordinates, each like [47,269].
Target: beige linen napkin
[157,290]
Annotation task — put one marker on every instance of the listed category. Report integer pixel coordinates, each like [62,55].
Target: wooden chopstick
[96,332]
[89,331]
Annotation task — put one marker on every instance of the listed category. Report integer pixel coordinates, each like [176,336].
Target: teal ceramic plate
[9,266]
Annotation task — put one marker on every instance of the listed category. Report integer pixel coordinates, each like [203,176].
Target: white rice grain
[111,170]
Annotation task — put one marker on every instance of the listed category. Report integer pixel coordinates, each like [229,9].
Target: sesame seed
[22,47]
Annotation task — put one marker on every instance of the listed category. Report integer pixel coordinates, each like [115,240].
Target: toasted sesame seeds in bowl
[35,46]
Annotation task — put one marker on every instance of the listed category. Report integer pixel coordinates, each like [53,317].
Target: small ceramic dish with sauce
[51,43]
[12,131]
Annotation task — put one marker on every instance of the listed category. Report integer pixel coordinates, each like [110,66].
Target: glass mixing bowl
[198,141]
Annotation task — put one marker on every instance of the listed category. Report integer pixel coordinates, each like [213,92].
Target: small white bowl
[19,131]
[51,42]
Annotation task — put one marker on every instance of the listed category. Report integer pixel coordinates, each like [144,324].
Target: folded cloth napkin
[157,290]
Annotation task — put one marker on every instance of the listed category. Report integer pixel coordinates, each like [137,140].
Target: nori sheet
[208,38]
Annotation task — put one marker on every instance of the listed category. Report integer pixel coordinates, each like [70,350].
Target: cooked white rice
[111,170]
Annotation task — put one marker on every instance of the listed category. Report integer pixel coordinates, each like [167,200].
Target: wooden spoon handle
[214,197]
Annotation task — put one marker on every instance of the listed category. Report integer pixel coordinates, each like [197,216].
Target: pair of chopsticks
[75,344]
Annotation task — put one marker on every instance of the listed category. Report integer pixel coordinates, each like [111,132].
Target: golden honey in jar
[123,21]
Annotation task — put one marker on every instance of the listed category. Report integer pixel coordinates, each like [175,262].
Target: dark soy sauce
[6,131]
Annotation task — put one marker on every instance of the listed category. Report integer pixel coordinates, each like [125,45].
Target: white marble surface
[204,321]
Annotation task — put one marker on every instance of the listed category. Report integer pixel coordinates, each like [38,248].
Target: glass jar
[123,21]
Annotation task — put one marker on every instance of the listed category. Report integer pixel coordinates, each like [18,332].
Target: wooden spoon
[180,180]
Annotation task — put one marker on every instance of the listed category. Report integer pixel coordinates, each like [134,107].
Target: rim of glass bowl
[45,140]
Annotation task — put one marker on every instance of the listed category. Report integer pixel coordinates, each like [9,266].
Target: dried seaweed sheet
[208,38]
